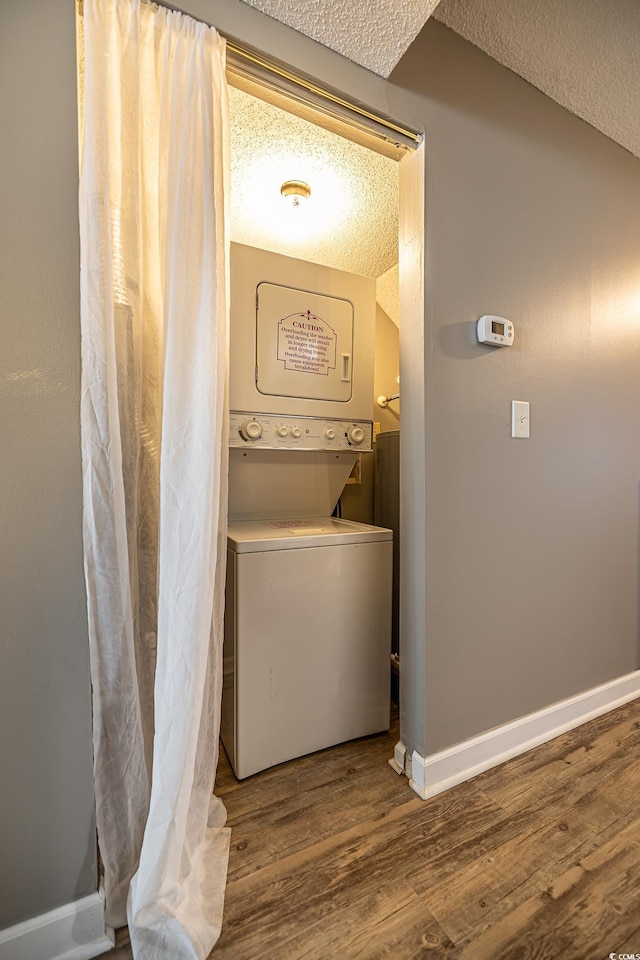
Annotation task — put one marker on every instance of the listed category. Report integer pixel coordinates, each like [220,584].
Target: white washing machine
[308,604]
[307,638]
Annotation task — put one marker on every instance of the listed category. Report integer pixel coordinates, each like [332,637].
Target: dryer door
[304,344]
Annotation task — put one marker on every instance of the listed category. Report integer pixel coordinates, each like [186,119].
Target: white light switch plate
[520,418]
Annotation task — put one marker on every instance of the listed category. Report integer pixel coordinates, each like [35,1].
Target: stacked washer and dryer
[308,603]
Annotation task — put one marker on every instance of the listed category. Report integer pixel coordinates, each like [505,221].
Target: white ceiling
[350,222]
[585,54]
[373,34]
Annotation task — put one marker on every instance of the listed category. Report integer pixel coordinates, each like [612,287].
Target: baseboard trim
[398,761]
[438,772]
[75,931]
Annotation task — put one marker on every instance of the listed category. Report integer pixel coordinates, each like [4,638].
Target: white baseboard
[75,931]
[398,761]
[440,771]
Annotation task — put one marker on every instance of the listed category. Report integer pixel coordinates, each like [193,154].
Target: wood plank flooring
[334,858]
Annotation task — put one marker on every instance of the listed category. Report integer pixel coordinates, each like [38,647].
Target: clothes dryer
[308,602]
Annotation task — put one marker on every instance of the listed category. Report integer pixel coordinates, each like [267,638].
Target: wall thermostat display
[495,330]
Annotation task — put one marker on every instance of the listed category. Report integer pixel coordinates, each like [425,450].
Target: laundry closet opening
[311,632]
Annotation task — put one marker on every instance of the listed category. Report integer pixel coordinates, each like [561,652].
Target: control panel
[274,432]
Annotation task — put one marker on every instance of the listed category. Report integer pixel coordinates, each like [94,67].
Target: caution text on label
[307,343]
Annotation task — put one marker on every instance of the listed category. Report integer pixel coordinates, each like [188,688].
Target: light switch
[520,418]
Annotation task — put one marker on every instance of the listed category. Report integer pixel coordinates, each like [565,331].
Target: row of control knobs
[251,429]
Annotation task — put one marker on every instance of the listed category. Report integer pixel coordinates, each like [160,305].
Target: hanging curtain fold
[154,289]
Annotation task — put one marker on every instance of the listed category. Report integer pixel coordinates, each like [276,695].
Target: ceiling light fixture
[294,191]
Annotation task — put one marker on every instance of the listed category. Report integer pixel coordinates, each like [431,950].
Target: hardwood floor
[334,858]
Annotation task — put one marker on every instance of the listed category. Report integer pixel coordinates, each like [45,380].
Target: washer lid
[256,536]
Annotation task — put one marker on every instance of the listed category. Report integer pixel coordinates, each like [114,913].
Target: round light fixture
[294,191]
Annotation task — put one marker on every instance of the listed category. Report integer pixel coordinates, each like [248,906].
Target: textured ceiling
[351,219]
[584,54]
[373,34]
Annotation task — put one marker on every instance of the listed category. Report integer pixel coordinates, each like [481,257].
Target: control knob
[355,435]
[296,432]
[250,429]
[281,430]
[330,434]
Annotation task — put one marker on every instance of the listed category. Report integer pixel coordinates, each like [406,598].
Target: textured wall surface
[350,222]
[584,54]
[47,832]
[386,371]
[358,499]
[388,293]
[532,545]
[375,35]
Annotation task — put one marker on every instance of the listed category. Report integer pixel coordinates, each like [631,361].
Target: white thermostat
[495,330]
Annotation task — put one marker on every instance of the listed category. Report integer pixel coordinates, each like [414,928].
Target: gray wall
[532,545]
[47,833]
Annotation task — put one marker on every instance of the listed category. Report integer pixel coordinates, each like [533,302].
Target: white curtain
[154,279]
